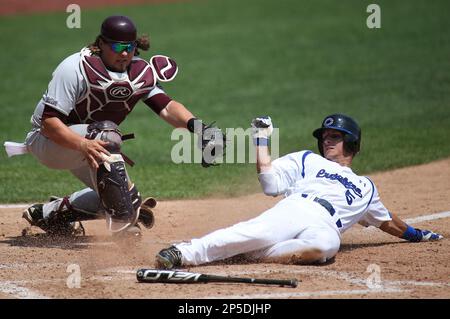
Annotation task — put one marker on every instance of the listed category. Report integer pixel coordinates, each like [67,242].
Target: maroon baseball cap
[118,29]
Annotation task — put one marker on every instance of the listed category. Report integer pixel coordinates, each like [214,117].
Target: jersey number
[349,196]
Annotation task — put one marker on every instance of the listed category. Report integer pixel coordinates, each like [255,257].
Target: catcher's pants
[295,230]
[57,157]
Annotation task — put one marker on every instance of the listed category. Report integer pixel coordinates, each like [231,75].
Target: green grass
[296,61]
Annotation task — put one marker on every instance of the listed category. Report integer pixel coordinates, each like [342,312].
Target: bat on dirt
[181,277]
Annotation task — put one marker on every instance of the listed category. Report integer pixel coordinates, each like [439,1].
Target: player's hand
[418,235]
[262,127]
[428,235]
[93,151]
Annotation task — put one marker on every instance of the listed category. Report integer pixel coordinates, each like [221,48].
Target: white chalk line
[118,270]
[15,205]
[311,294]
[341,275]
[109,243]
[19,266]
[16,291]
[423,218]
[100,243]
[61,280]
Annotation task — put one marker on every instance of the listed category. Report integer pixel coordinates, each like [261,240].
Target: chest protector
[108,97]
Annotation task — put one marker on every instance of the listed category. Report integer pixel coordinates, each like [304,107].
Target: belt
[326,204]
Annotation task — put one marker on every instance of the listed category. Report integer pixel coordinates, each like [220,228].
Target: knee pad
[119,197]
[107,131]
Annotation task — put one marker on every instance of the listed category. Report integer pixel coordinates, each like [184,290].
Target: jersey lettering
[345,182]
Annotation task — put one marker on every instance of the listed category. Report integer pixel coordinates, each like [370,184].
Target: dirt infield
[37,267]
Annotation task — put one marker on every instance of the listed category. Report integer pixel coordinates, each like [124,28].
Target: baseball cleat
[168,258]
[77,229]
[52,226]
[150,202]
[33,214]
[146,217]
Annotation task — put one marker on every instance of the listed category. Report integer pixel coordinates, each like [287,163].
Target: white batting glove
[262,127]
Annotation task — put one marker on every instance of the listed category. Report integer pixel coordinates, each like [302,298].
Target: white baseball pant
[295,230]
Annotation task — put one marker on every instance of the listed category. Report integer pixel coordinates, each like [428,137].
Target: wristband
[261,141]
[191,125]
[413,235]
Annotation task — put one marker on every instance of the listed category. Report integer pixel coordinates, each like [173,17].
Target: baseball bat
[174,276]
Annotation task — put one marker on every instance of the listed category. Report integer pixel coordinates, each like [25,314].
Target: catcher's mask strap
[127,160]
[128,136]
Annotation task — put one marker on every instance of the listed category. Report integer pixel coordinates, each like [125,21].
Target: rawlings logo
[49,100]
[120,92]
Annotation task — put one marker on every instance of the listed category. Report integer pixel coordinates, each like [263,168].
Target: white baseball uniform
[322,200]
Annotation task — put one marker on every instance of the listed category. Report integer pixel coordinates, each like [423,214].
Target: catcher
[323,199]
[75,127]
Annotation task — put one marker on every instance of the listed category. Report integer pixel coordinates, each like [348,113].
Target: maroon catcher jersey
[83,91]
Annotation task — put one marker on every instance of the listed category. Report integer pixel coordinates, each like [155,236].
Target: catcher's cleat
[168,258]
[150,202]
[78,229]
[33,214]
[54,225]
[146,216]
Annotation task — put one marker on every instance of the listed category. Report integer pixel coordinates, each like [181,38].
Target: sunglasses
[118,47]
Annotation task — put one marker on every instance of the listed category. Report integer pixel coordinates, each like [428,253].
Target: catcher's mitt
[211,141]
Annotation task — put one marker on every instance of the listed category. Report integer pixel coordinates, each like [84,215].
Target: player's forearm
[263,160]
[399,228]
[62,135]
[176,114]
[269,180]
[395,227]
